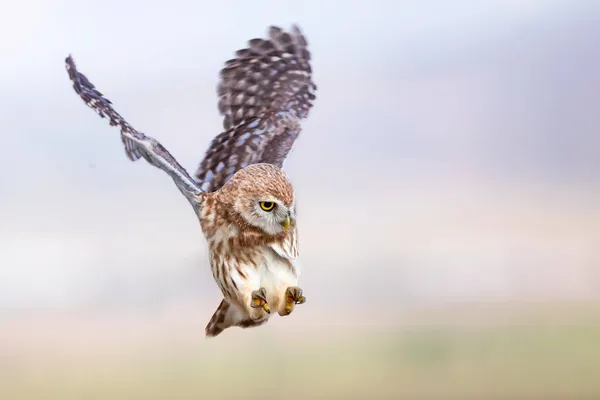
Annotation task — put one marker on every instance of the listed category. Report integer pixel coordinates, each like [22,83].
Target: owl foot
[293,296]
[259,300]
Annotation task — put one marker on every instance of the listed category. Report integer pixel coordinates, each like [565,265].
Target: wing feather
[137,144]
[263,94]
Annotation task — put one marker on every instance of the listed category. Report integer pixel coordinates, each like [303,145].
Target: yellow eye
[267,205]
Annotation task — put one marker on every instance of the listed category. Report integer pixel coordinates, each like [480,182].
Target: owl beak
[286,223]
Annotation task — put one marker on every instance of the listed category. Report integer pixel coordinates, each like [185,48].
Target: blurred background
[448,180]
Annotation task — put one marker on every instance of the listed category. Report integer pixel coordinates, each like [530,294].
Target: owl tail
[218,323]
[227,316]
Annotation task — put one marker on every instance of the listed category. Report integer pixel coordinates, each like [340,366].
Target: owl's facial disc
[268,214]
[269,206]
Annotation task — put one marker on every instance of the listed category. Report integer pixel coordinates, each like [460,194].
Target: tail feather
[227,316]
[217,323]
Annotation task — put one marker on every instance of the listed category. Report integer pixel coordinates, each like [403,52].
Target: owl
[242,198]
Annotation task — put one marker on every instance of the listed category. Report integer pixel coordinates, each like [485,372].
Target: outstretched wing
[136,144]
[263,94]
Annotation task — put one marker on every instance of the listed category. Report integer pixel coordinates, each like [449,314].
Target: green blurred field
[556,358]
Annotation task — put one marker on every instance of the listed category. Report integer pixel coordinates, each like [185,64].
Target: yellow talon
[259,300]
[293,296]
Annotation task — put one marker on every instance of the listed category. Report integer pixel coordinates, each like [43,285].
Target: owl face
[266,212]
[262,197]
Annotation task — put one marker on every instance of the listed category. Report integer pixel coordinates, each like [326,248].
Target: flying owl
[241,196]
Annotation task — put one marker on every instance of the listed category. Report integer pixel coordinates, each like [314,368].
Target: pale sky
[415,99]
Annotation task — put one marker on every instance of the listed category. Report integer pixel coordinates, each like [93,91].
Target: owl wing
[137,144]
[263,94]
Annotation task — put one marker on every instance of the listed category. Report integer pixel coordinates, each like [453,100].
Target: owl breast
[277,274]
[240,267]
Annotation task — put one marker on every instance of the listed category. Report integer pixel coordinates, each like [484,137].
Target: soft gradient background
[448,182]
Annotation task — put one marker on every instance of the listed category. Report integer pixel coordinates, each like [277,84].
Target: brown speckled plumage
[238,248]
[263,94]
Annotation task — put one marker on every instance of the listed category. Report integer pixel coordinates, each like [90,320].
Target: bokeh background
[449,197]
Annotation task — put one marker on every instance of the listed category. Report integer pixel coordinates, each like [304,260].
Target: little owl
[243,199]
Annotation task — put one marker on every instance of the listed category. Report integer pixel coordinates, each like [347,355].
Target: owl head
[261,197]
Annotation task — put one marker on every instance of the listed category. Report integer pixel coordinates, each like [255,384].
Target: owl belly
[276,275]
[259,267]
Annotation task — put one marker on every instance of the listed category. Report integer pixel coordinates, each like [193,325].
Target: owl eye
[267,205]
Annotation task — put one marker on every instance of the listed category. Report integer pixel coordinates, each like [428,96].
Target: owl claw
[259,300]
[293,296]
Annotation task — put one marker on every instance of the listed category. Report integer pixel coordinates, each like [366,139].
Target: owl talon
[293,296]
[259,300]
